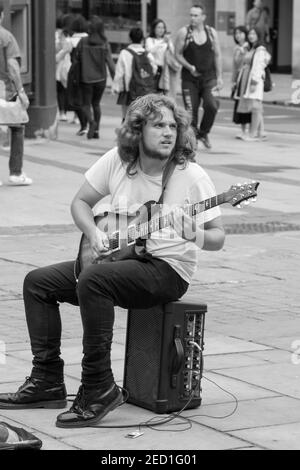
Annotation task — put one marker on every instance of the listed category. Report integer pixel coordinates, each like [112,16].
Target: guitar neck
[159,222]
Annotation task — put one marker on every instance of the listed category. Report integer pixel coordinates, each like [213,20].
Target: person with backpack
[135,71]
[199,53]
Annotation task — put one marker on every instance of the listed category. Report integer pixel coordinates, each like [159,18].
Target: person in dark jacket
[94,53]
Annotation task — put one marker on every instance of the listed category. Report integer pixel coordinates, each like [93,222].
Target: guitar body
[118,228]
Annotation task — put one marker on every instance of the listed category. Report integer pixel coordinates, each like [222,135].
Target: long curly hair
[138,114]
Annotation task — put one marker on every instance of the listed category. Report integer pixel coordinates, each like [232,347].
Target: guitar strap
[168,172]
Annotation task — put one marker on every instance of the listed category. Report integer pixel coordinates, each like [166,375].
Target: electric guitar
[124,231]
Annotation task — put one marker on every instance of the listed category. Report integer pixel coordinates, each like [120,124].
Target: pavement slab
[281,437]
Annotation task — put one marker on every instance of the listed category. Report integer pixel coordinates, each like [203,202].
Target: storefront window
[119,16]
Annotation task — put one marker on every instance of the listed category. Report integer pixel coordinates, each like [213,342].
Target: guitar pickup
[131,235]
[114,241]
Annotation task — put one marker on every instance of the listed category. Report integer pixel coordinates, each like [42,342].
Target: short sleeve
[99,175]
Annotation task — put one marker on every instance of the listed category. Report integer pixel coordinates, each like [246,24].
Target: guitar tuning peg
[246,203]
[253,199]
[239,206]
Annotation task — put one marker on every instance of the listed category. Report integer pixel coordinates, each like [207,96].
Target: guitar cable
[188,421]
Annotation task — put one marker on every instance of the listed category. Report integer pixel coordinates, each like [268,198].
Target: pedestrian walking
[250,85]
[240,50]
[199,53]
[63,48]
[77,25]
[94,55]
[259,17]
[11,90]
[155,141]
[160,45]
[135,71]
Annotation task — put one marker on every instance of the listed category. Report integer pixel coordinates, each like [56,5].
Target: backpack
[142,80]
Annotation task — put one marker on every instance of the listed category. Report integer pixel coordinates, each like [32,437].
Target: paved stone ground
[251,288]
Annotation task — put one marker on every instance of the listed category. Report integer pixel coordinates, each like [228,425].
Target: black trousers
[128,284]
[92,94]
[195,91]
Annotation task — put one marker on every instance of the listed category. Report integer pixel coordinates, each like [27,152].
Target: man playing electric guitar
[155,133]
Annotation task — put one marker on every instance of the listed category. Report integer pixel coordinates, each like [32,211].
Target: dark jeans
[195,91]
[128,284]
[16,150]
[62,97]
[92,94]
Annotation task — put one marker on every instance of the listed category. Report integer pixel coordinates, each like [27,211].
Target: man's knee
[92,277]
[32,280]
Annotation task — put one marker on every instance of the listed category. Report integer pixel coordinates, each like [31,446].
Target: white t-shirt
[188,185]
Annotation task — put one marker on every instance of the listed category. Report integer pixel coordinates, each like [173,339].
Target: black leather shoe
[90,407]
[35,393]
[25,440]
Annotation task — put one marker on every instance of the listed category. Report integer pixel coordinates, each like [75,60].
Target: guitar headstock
[240,193]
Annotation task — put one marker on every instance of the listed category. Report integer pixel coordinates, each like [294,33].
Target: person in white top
[156,135]
[158,43]
[123,71]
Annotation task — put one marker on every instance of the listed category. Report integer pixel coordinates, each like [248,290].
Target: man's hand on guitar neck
[99,244]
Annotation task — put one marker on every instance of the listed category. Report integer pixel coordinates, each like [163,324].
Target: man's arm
[82,212]
[179,49]
[210,237]
[218,59]
[15,74]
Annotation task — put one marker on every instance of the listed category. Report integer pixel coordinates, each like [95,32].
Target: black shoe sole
[50,405]
[22,445]
[81,424]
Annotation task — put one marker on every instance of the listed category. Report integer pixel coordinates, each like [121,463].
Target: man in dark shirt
[198,51]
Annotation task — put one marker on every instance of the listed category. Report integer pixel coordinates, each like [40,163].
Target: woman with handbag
[251,85]
[13,103]
[157,44]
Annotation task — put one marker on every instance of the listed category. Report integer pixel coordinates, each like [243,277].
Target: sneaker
[90,407]
[81,132]
[19,180]
[262,137]
[12,438]
[63,118]
[248,138]
[205,141]
[35,393]
[240,136]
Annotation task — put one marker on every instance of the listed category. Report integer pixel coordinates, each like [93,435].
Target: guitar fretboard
[159,222]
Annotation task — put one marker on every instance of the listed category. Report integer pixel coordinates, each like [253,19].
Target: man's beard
[154,154]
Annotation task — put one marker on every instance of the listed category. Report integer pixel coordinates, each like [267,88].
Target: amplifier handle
[179,359]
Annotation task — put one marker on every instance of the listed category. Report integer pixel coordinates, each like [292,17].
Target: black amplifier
[164,356]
